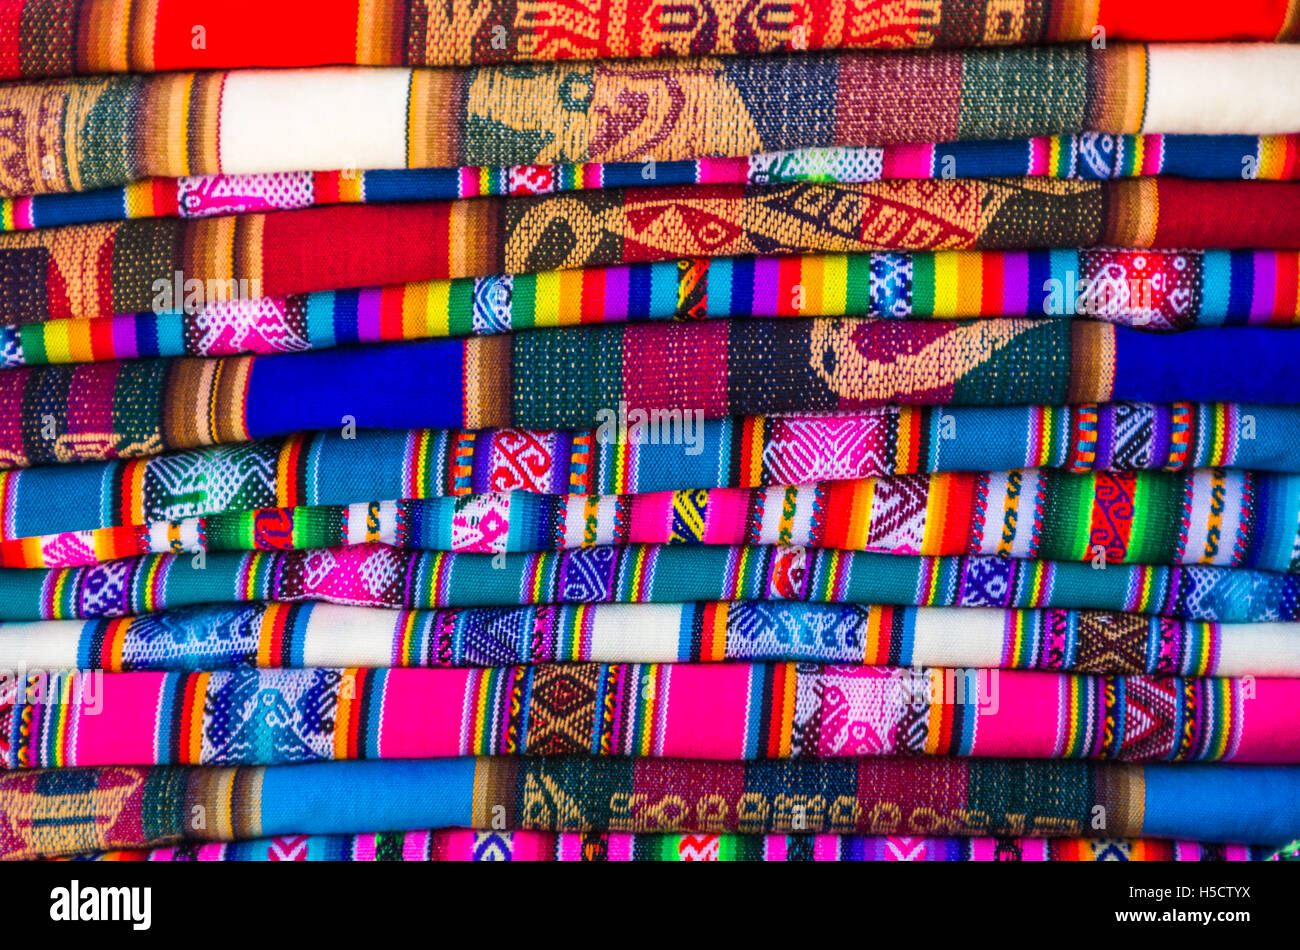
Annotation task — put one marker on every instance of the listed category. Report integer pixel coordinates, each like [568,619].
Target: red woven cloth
[64,37]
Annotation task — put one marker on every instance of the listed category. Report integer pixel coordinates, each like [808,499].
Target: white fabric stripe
[958,636]
[962,637]
[349,636]
[42,645]
[313,120]
[1221,88]
[1259,649]
[636,633]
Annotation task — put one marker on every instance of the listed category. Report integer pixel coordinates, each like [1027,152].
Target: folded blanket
[286,635]
[1090,155]
[683,710]
[1225,517]
[157,264]
[115,129]
[1143,288]
[98,36]
[376,575]
[73,811]
[120,129]
[463,845]
[602,376]
[795,449]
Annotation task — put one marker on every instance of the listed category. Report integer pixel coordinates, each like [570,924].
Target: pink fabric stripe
[415,845]
[426,712]
[825,847]
[908,161]
[1040,154]
[1022,714]
[726,516]
[652,518]
[722,171]
[706,710]
[364,847]
[620,844]
[118,725]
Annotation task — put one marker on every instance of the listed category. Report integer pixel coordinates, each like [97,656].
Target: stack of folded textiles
[643,431]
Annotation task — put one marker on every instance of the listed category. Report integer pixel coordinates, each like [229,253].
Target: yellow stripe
[935,506]
[57,345]
[546,299]
[437,308]
[945,283]
[835,284]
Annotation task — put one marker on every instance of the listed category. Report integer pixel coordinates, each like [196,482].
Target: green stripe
[460,307]
[923,285]
[857,295]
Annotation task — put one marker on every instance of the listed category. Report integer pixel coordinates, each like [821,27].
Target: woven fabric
[158,264]
[116,129]
[374,575]
[463,845]
[100,36]
[716,711]
[71,811]
[653,375]
[328,469]
[1224,517]
[1091,155]
[1142,288]
[286,635]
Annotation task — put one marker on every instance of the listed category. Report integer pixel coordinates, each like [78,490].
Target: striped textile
[285,635]
[450,844]
[118,129]
[1150,289]
[134,807]
[329,469]
[716,711]
[102,36]
[1224,517]
[1090,155]
[653,375]
[374,575]
[162,264]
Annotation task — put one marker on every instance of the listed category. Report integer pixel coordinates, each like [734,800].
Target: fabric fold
[73,811]
[288,635]
[1225,517]
[627,457]
[620,846]
[1150,289]
[157,264]
[587,377]
[376,575]
[1090,155]
[106,36]
[120,128]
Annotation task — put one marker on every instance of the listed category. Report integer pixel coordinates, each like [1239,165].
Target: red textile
[67,37]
